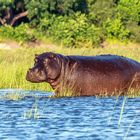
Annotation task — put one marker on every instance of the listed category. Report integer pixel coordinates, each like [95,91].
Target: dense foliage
[74,23]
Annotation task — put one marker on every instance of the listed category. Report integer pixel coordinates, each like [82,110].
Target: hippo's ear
[36,55]
[52,55]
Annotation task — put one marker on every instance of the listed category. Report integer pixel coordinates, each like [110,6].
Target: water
[80,118]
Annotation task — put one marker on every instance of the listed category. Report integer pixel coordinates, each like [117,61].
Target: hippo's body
[87,75]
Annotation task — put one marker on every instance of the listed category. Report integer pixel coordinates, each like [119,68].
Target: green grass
[14,63]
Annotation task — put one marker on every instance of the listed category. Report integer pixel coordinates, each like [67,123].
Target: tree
[12,11]
[129,11]
[100,10]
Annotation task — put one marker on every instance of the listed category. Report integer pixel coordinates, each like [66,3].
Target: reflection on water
[81,118]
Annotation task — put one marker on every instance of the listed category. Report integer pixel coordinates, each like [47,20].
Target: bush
[21,33]
[134,29]
[129,10]
[74,31]
[74,23]
[115,29]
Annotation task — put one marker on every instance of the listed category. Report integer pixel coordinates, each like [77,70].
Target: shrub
[115,29]
[21,33]
[74,23]
[74,31]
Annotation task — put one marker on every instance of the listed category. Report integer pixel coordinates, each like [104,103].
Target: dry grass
[14,63]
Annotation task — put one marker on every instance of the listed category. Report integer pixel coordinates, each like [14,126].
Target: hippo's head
[47,67]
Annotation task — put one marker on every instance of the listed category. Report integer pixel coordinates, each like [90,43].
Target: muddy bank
[13,45]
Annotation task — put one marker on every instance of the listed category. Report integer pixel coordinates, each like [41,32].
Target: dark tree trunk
[7,16]
[10,18]
[18,16]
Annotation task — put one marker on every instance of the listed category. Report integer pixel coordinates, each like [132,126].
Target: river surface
[79,118]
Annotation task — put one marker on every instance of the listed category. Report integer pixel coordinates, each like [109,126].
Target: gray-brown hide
[86,75]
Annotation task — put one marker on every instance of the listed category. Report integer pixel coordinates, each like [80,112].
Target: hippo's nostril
[29,72]
[29,69]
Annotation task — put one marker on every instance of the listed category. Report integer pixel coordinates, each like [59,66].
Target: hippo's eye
[35,60]
[46,68]
[46,61]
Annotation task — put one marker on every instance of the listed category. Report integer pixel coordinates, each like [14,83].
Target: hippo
[86,75]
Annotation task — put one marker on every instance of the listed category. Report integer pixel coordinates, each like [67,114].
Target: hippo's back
[101,62]
[103,73]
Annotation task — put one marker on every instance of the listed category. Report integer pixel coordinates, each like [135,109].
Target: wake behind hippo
[86,75]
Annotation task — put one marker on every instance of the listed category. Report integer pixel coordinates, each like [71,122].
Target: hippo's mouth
[31,77]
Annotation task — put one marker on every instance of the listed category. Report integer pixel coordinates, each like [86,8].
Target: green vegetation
[72,23]
[15,63]
[76,26]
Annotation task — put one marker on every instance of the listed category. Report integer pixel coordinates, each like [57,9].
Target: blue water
[80,118]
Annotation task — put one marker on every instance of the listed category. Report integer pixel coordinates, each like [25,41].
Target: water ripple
[82,118]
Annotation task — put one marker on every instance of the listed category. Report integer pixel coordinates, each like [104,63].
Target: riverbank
[15,62]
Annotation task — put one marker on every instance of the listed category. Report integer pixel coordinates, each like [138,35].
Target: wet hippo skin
[86,75]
